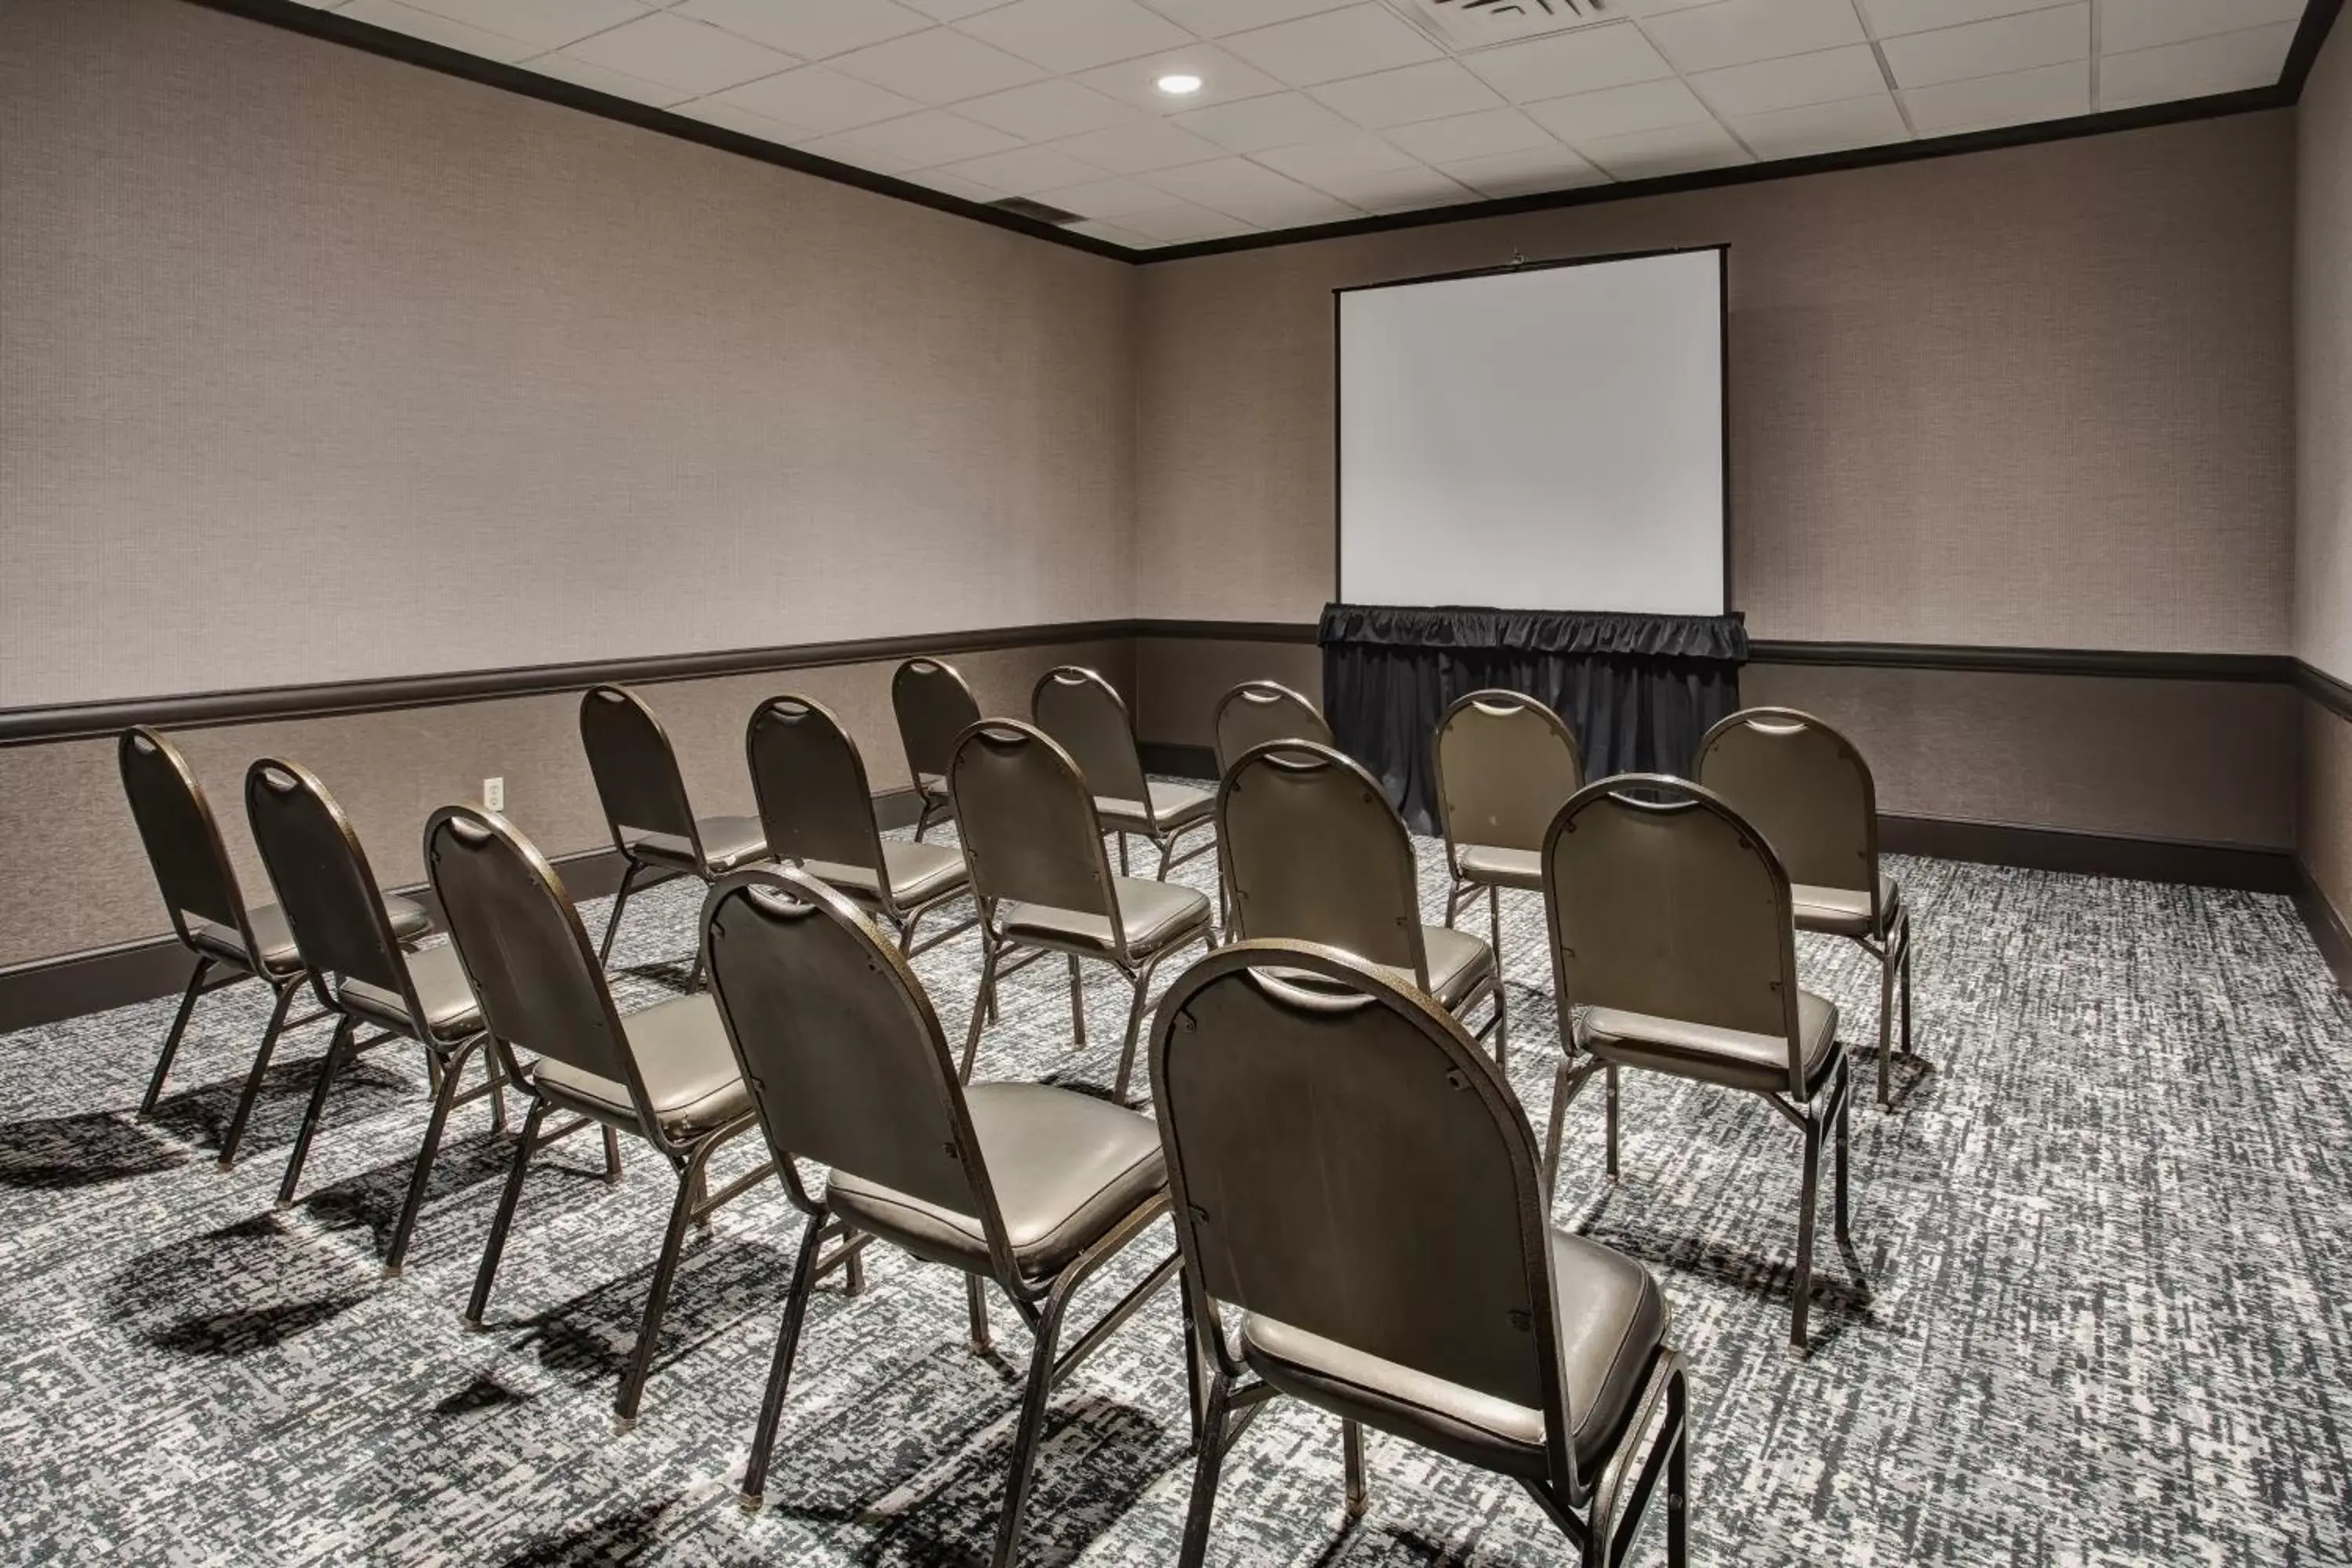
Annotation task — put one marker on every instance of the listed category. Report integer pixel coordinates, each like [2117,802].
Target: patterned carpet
[2100,1319]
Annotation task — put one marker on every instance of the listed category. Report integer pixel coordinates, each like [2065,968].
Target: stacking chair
[1257,711]
[359,970]
[1027,1187]
[645,808]
[1306,1099]
[1505,764]
[229,940]
[664,1074]
[934,706]
[816,809]
[1809,792]
[1672,950]
[1314,852]
[1088,720]
[1035,844]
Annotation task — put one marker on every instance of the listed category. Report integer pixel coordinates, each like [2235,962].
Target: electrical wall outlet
[494,793]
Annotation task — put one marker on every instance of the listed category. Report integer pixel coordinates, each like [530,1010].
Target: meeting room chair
[359,970]
[934,706]
[1087,718]
[1505,764]
[816,810]
[1035,844]
[1309,1103]
[1021,1185]
[1809,791]
[229,940]
[1314,852]
[1674,951]
[1257,712]
[665,1073]
[644,795]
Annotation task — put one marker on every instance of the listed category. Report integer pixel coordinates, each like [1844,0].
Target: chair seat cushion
[276,939]
[1458,963]
[1065,1167]
[932,786]
[1609,1319]
[1154,913]
[451,1013]
[1733,1058]
[919,872]
[1842,911]
[1502,868]
[727,842]
[682,1054]
[1172,805]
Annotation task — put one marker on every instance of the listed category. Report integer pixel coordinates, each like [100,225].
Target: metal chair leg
[1351,1452]
[780,1371]
[612,1156]
[1806,1202]
[1846,1104]
[172,1040]
[1077,1005]
[612,924]
[1206,1466]
[1135,1009]
[1611,1103]
[253,1078]
[975,1296]
[641,1359]
[1030,1435]
[1678,1474]
[1495,921]
[1886,1023]
[1122,854]
[983,1006]
[498,1092]
[345,1028]
[419,1179]
[497,1244]
[1501,1016]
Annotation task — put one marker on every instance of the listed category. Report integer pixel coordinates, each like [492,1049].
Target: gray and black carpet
[2100,1310]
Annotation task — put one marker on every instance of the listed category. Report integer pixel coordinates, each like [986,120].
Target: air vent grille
[1022,206]
[1475,23]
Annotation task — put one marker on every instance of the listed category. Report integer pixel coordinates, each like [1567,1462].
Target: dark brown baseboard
[2328,930]
[2093,854]
[1179,762]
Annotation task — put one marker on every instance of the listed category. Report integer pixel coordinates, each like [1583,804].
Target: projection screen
[1539,437]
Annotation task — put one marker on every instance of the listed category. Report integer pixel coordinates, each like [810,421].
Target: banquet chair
[1505,764]
[1088,720]
[933,707]
[1257,712]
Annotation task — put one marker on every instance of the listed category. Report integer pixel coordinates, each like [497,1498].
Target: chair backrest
[1087,718]
[839,1045]
[636,770]
[1806,789]
[525,954]
[1344,1159]
[1314,852]
[1027,820]
[1667,902]
[1257,711]
[934,707]
[182,841]
[809,781]
[315,861]
[1505,764]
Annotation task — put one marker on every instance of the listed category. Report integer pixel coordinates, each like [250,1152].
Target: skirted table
[1638,690]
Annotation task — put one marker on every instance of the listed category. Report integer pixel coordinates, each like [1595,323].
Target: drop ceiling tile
[842,150]
[2128,25]
[680,52]
[938,66]
[809,28]
[1045,109]
[1315,50]
[542,24]
[1427,91]
[951,10]
[732,117]
[1891,18]
[1990,49]
[1139,147]
[1735,32]
[437,29]
[1073,34]
[1113,233]
[2196,68]
[1467,136]
[1808,128]
[1181,221]
[821,99]
[619,84]
[1255,194]
[1552,168]
[1676,149]
[1253,124]
[2020,98]
[1824,77]
[953,185]
[934,136]
[1105,199]
[1214,18]
[1024,171]
[1223,80]
[1337,158]
[1583,61]
[1400,190]
[1620,110]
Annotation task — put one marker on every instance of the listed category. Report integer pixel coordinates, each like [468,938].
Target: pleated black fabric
[1637,691]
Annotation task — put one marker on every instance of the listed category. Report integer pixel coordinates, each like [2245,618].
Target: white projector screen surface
[1546,438]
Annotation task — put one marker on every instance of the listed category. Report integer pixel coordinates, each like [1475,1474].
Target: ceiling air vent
[1022,206]
[1474,24]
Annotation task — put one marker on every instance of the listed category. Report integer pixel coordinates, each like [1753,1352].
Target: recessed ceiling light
[1178,83]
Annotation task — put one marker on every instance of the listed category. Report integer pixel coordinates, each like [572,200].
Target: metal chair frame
[1462,888]
[1263,697]
[1041,1304]
[1128,780]
[935,681]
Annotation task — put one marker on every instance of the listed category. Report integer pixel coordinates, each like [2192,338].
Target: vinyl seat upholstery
[1504,867]
[1842,911]
[728,841]
[1172,805]
[690,1076]
[918,872]
[1733,1058]
[451,1013]
[1151,913]
[274,938]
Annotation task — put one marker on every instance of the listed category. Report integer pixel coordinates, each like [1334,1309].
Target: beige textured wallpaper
[2323,822]
[2322,335]
[2037,397]
[321,367]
